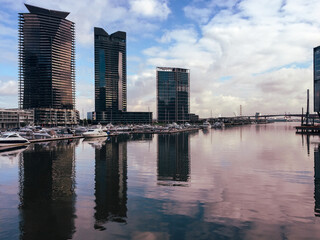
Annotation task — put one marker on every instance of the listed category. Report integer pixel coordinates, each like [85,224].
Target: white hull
[9,139]
[94,133]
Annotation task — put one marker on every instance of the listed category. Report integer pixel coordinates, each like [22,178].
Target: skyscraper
[173,94]
[110,63]
[110,71]
[47,65]
[316,78]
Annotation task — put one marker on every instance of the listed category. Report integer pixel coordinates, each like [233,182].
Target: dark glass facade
[46,59]
[123,117]
[173,101]
[110,71]
[316,78]
[110,64]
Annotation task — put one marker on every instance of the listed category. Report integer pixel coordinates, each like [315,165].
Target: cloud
[200,15]
[150,8]
[134,17]
[265,47]
[8,88]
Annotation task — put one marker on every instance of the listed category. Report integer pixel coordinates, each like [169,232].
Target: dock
[21,145]
[308,129]
[54,139]
[170,131]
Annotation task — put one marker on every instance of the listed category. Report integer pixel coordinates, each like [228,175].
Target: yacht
[218,125]
[205,125]
[97,132]
[11,138]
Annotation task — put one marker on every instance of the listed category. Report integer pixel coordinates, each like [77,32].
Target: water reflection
[14,153]
[111,178]
[317,181]
[47,191]
[173,158]
[111,182]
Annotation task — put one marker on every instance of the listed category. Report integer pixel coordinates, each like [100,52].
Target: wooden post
[307,115]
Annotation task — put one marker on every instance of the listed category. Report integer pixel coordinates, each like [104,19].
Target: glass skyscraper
[173,94]
[316,78]
[110,71]
[47,64]
[110,64]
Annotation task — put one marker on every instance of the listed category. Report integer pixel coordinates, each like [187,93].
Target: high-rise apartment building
[316,78]
[110,63]
[110,71]
[173,94]
[47,65]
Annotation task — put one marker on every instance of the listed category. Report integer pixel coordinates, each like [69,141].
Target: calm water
[250,182]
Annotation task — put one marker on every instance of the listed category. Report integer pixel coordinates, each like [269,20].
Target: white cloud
[8,88]
[150,8]
[265,46]
[200,15]
[133,17]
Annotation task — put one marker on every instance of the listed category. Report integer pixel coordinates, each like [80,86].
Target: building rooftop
[102,32]
[44,11]
[171,69]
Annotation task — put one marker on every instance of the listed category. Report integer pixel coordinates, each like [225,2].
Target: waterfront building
[173,94]
[316,78]
[47,64]
[13,118]
[110,63]
[110,71]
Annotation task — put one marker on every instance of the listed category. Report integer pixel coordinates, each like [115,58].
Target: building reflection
[111,182]
[47,191]
[317,181]
[111,179]
[173,158]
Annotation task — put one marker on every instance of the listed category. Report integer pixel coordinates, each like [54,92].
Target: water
[249,182]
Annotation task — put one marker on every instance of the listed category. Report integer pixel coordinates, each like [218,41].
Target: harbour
[226,183]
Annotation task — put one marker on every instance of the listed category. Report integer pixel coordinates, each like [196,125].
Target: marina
[214,184]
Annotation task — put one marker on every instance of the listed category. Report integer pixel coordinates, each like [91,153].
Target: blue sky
[257,54]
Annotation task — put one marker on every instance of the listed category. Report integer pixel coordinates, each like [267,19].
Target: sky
[257,54]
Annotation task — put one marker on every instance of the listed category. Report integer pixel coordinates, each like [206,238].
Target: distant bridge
[269,115]
[260,118]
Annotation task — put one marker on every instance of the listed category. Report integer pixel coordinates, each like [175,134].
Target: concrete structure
[173,94]
[13,118]
[46,62]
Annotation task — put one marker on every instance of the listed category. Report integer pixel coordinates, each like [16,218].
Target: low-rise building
[13,118]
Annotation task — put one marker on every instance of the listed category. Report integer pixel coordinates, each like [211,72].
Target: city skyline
[239,53]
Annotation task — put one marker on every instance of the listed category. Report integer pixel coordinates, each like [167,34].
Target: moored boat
[97,132]
[11,138]
[205,125]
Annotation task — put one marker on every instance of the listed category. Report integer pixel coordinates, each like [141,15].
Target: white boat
[218,125]
[11,138]
[97,132]
[205,125]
